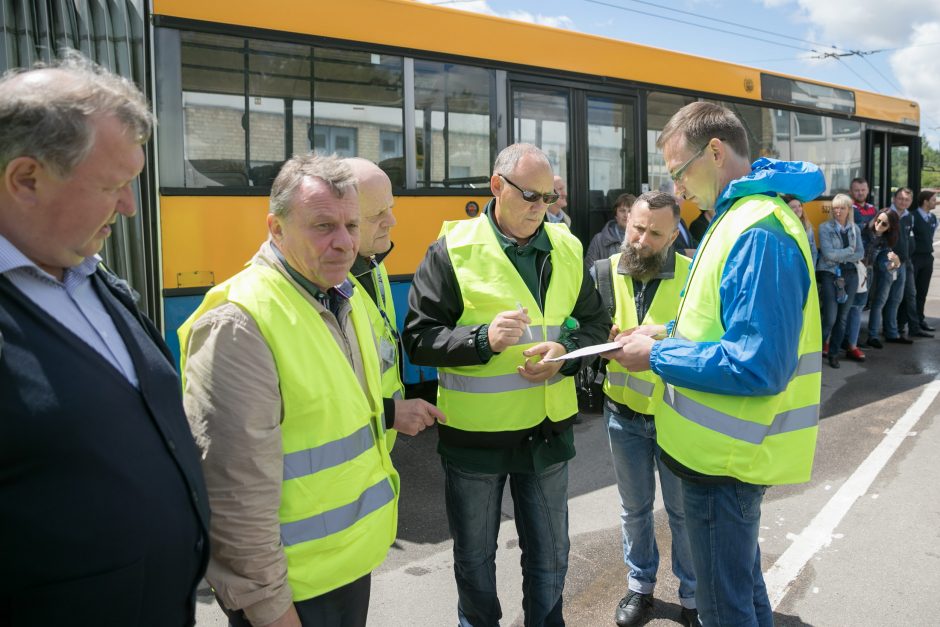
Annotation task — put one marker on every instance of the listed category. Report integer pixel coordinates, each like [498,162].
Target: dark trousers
[347,606]
[923,269]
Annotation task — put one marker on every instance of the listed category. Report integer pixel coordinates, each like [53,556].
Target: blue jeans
[835,315]
[636,455]
[723,521]
[540,501]
[880,298]
[853,322]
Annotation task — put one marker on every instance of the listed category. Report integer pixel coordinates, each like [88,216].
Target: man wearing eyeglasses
[369,274]
[494,297]
[742,360]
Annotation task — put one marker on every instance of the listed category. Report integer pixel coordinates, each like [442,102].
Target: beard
[640,267]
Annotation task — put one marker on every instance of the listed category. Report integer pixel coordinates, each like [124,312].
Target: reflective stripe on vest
[489,385]
[636,384]
[494,396]
[335,520]
[642,391]
[311,460]
[745,430]
[338,508]
[764,440]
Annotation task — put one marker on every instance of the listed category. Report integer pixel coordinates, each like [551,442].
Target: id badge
[386,353]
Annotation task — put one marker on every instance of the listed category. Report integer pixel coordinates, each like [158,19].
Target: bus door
[893,162]
[591,140]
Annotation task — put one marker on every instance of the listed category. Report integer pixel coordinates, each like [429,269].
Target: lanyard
[382,301]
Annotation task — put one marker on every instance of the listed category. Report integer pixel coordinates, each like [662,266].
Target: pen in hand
[528,331]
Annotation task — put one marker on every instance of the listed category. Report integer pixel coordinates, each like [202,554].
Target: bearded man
[644,282]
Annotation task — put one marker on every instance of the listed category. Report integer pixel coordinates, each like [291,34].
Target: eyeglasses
[530,196]
[675,176]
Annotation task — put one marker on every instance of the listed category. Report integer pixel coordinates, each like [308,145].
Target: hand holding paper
[587,351]
[538,370]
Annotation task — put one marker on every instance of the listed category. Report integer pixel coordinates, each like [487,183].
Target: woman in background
[840,246]
[880,235]
[797,207]
[608,240]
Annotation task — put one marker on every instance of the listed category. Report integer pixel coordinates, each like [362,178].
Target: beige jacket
[234,407]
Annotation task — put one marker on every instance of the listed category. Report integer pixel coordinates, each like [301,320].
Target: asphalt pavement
[857,545]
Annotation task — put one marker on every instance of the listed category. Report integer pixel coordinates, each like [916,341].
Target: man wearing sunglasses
[742,360]
[493,298]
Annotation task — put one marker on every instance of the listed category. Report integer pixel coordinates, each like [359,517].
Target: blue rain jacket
[763,289]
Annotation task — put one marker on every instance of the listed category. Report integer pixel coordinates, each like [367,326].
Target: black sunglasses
[530,196]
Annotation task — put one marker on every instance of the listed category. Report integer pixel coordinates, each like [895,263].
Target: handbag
[839,285]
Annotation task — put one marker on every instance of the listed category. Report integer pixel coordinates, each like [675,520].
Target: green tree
[930,169]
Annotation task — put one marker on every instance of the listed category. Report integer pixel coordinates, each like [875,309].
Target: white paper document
[587,350]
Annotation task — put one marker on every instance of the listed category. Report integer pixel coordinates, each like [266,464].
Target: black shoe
[633,608]
[926,327]
[921,333]
[833,360]
[874,342]
[899,340]
[689,617]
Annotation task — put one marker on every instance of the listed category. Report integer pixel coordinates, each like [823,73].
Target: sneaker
[874,342]
[855,354]
[689,617]
[825,350]
[633,608]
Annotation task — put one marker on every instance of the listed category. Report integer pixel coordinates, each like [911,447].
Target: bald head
[375,207]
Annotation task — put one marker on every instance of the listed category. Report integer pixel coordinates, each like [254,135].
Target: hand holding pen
[507,328]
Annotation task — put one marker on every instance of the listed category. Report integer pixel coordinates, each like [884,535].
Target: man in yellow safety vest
[282,389]
[494,298]
[741,365]
[642,284]
[368,274]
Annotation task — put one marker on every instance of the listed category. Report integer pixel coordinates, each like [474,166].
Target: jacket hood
[801,179]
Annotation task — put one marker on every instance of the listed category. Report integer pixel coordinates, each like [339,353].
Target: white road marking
[818,534]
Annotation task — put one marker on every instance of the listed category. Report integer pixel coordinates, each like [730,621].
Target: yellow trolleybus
[429,93]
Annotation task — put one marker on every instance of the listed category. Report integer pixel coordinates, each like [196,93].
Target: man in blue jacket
[742,362]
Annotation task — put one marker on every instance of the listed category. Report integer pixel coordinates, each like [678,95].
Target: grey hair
[509,157]
[660,200]
[332,170]
[52,123]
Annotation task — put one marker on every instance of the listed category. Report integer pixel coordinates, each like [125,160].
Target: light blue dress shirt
[72,302]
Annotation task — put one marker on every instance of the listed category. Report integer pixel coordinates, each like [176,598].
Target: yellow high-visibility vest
[642,391]
[383,321]
[493,396]
[764,440]
[339,495]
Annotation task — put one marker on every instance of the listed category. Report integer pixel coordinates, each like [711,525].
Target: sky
[787,36]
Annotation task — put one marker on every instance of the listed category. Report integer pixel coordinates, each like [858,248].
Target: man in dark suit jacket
[925,225]
[103,510]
